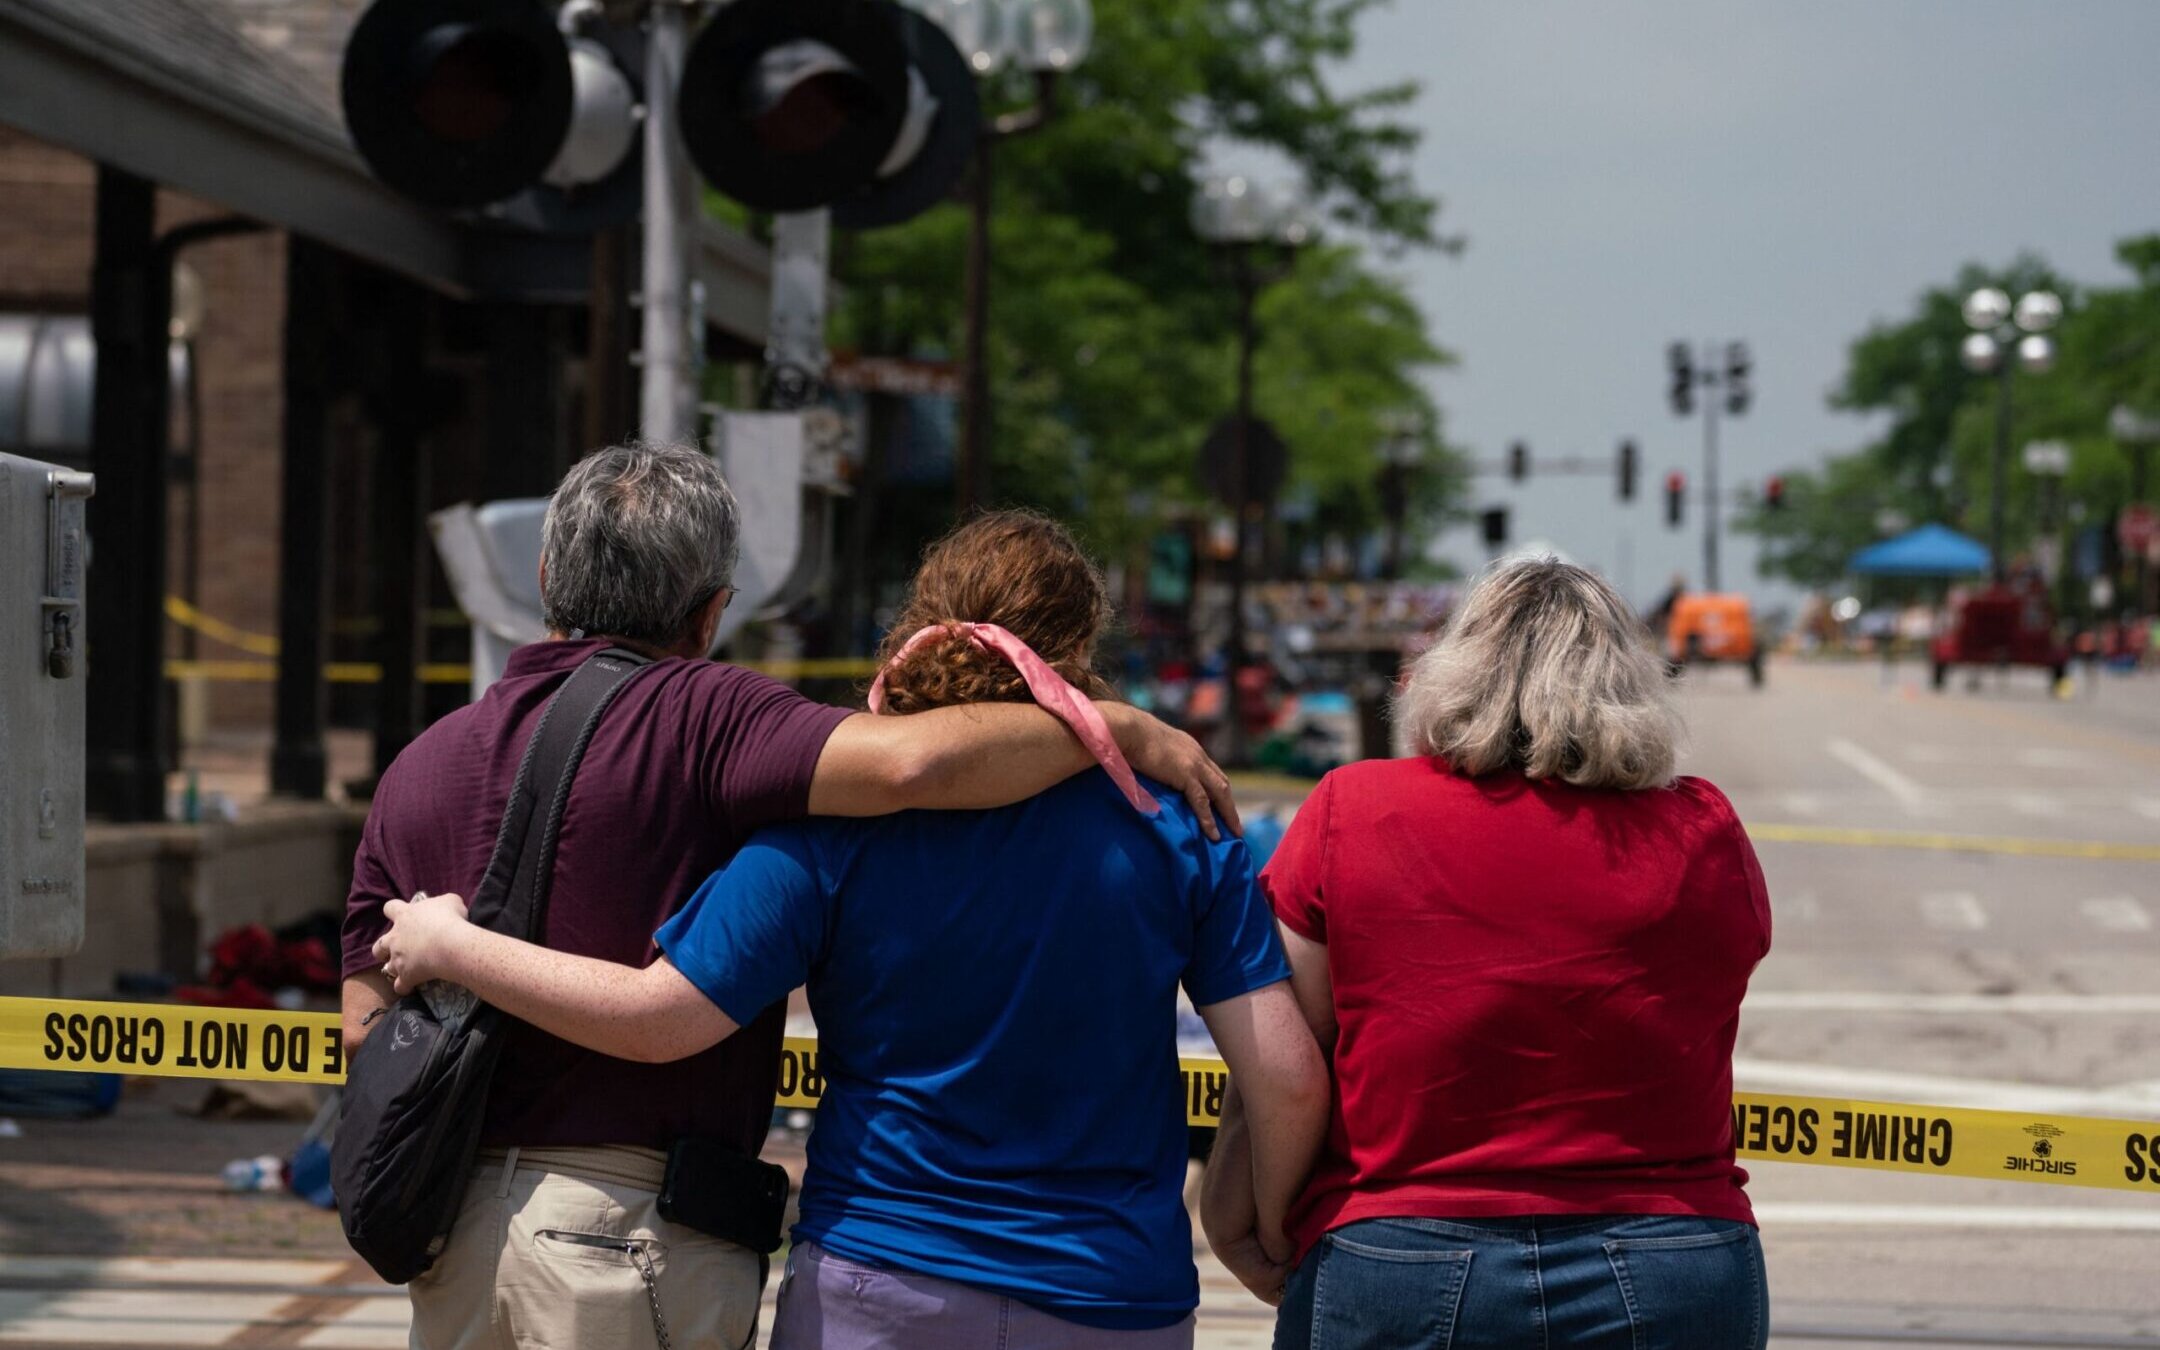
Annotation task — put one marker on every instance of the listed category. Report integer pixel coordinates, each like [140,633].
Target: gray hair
[638,538]
[1544,669]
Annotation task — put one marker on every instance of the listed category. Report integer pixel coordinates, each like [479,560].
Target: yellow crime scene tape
[181,1041]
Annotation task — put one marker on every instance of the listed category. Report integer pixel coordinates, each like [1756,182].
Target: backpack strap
[513,892]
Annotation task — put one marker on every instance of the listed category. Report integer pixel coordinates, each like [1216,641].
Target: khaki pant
[537,1261]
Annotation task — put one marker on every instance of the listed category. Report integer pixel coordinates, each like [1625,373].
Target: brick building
[292,367]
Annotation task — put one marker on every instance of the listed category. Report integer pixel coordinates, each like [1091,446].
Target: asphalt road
[1967,894]
[1966,888]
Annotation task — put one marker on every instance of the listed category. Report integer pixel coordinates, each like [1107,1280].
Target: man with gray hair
[559,1240]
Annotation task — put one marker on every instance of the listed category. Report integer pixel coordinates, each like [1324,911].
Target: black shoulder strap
[512,896]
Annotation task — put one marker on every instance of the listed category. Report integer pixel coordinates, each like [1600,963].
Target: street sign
[2138,528]
[1267,460]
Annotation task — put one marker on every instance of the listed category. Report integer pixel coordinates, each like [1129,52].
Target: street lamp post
[1256,234]
[1048,38]
[2000,328]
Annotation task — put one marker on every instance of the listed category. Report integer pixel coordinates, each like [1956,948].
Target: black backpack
[416,1089]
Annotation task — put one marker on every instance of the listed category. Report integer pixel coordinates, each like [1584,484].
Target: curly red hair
[1021,571]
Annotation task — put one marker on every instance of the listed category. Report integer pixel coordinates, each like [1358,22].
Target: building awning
[171,91]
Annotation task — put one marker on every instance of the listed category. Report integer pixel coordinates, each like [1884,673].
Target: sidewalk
[120,1232]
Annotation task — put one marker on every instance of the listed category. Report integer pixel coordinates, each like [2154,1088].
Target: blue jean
[1609,1281]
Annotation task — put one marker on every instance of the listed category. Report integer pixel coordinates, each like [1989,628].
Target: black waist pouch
[416,1090]
[725,1193]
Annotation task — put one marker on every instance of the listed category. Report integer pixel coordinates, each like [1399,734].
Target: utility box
[43,547]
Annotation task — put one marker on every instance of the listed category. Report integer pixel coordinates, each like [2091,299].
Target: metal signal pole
[669,385]
[1710,468]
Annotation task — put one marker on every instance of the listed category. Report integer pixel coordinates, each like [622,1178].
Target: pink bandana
[1052,690]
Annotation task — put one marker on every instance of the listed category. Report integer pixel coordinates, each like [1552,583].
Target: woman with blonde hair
[999,1156]
[1524,951]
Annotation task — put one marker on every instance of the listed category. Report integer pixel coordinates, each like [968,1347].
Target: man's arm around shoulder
[984,755]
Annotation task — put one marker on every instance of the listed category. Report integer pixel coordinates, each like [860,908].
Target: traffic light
[1629,462]
[1518,461]
[458,104]
[1493,522]
[1682,392]
[1738,368]
[1675,498]
[1773,494]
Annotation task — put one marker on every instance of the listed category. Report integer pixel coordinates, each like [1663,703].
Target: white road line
[2020,1217]
[2044,757]
[1801,803]
[1803,906]
[1956,910]
[2117,914]
[1909,794]
[2033,804]
[2129,1102]
[2023,1005]
[2148,807]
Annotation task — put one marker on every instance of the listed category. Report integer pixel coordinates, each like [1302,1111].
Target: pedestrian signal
[1493,522]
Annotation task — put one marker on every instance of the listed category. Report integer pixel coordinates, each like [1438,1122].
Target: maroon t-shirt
[690,759]
[1537,988]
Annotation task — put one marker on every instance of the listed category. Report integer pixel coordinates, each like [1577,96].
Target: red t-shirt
[691,758]
[1536,986]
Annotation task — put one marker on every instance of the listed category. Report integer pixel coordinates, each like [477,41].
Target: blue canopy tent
[1930,551]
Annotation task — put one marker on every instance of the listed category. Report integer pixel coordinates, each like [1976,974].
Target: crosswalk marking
[1958,910]
[1804,906]
[2117,914]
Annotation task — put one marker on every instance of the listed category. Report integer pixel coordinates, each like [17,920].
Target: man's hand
[423,938]
[1170,756]
[1244,1258]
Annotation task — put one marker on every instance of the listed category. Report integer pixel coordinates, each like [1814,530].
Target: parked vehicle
[1712,630]
[2001,625]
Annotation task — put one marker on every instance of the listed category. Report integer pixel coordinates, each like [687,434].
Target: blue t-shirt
[996,996]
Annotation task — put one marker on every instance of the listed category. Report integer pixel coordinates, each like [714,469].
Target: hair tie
[1053,691]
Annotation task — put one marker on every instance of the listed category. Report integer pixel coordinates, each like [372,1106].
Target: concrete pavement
[1911,963]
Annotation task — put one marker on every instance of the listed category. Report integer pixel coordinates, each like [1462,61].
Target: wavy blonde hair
[1544,669]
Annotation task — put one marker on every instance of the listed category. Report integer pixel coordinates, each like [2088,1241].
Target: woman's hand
[425,934]
[1246,1259]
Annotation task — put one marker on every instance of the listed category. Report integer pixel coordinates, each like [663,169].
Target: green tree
[1935,460]
[1112,337]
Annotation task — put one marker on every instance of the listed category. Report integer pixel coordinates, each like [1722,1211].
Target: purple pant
[830,1303]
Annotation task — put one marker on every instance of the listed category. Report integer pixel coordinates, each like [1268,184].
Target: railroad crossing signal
[785,105]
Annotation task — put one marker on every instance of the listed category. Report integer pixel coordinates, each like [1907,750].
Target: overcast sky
[1785,173]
